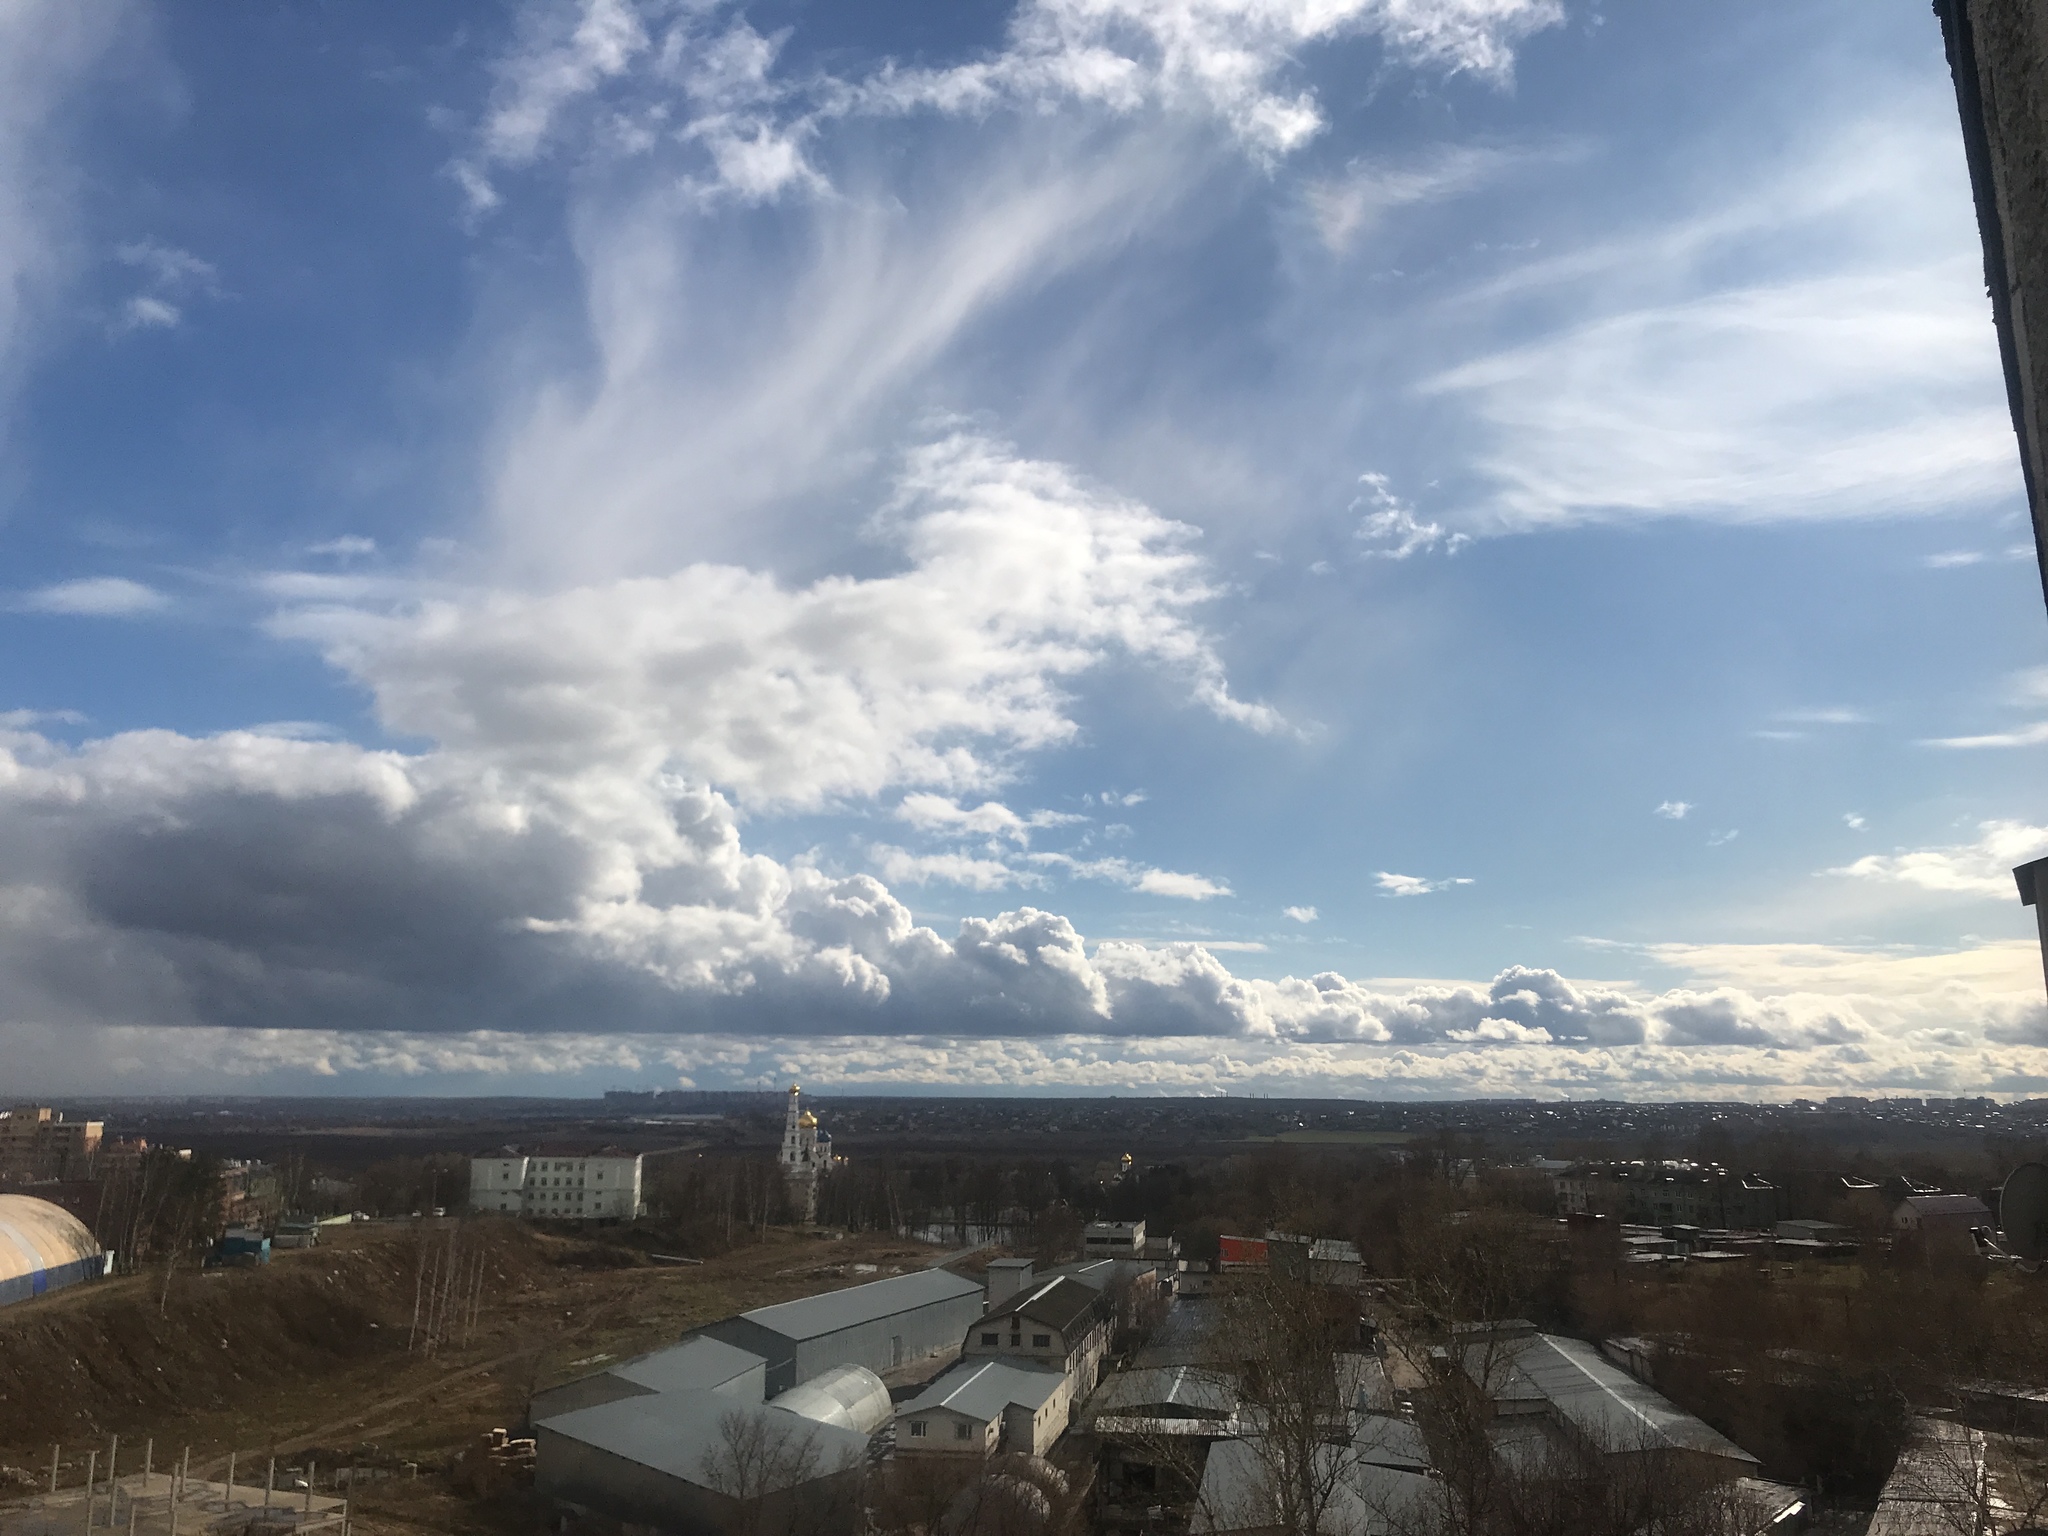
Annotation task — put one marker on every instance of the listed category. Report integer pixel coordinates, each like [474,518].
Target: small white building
[562,1186]
[980,1407]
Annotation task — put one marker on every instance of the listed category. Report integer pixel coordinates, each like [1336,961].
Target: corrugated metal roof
[703,1364]
[1165,1391]
[815,1316]
[983,1389]
[36,1235]
[1058,1304]
[1391,1440]
[681,1434]
[1237,1493]
[1607,1406]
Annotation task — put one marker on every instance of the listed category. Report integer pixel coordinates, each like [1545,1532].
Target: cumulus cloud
[1300,914]
[1392,884]
[103,597]
[1019,579]
[1673,810]
[1982,868]
[1853,821]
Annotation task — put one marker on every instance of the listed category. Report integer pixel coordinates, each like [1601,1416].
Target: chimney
[1006,1277]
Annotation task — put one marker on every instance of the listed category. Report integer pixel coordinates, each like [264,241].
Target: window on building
[963,1431]
[989,1339]
[1041,1341]
[917,1429]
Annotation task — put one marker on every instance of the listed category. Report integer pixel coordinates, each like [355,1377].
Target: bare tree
[778,1475]
[1293,1470]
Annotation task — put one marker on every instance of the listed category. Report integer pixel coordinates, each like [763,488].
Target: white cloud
[1831,714]
[166,266]
[901,867]
[1138,877]
[2025,736]
[1389,528]
[991,819]
[1018,579]
[1843,375]
[1349,206]
[348,547]
[565,54]
[148,312]
[97,597]
[48,52]
[140,924]
[1226,60]
[1721,839]
[1982,868]
[1950,559]
[1853,822]
[1300,914]
[1673,810]
[1413,885]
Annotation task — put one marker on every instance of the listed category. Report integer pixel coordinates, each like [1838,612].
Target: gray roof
[815,1316]
[1946,1205]
[679,1433]
[1183,1391]
[983,1389]
[1609,1408]
[1101,1274]
[1391,1440]
[1235,1495]
[705,1364]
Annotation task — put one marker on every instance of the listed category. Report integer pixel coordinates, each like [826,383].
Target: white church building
[806,1151]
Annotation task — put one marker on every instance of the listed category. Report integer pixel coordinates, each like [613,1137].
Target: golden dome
[807,1119]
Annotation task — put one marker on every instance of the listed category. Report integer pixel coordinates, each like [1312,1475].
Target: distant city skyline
[1392,550]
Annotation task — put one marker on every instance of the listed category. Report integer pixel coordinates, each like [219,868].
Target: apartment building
[561,1185]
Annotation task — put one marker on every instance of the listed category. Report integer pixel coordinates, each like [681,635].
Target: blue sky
[1391,549]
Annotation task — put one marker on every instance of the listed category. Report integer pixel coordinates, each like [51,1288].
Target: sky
[1361,548]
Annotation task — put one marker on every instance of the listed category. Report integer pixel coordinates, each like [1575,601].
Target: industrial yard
[306,1360]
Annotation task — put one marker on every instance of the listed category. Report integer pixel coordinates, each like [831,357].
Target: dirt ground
[321,1356]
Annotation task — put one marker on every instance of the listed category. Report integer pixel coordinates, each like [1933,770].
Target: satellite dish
[2023,1211]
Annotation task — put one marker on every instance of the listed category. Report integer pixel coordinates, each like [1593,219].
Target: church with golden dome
[805,1150]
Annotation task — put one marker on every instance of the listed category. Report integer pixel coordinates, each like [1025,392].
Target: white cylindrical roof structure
[42,1247]
[849,1396]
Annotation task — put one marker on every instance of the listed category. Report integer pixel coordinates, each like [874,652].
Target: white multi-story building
[602,1186]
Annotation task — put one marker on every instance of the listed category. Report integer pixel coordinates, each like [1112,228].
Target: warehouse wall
[934,1329]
